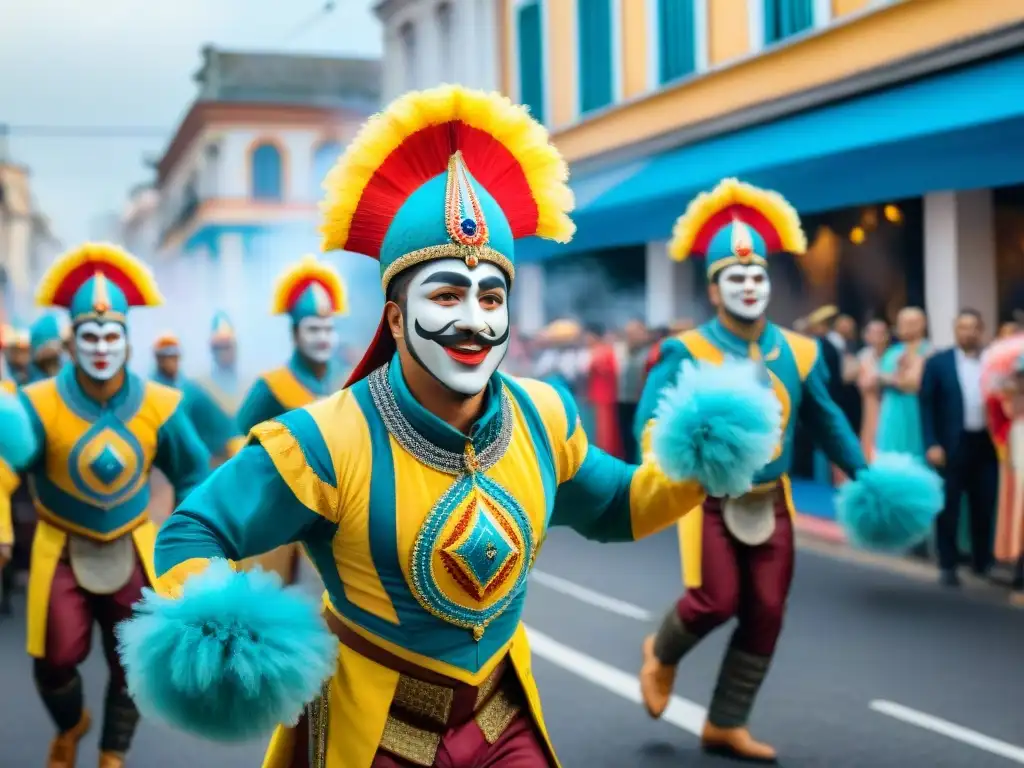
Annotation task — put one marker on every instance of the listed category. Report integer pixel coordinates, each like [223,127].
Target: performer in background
[167,360]
[423,491]
[216,416]
[738,551]
[98,430]
[312,294]
[47,338]
[17,347]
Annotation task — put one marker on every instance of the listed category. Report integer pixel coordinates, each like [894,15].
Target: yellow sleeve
[9,482]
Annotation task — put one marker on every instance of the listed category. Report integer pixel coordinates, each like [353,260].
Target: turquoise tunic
[262,404]
[91,461]
[214,426]
[808,397]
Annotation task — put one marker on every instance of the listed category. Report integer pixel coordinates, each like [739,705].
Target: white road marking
[590,597]
[681,713]
[950,730]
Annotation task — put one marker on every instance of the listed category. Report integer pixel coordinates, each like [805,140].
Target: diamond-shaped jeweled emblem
[107,466]
[484,551]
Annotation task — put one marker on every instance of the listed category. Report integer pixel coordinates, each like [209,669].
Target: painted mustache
[453,338]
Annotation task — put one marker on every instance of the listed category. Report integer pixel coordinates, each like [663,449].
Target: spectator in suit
[958,444]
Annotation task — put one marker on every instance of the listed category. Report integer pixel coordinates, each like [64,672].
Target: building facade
[237,189]
[428,42]
[27,243]
[890,124]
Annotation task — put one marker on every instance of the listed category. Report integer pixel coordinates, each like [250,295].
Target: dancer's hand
[5,554]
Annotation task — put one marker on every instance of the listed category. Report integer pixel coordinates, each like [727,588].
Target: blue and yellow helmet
[445,173]
[98,281]
[309,288]
[46,332]
[736,223]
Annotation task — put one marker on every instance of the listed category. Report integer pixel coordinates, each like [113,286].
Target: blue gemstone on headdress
[468,227]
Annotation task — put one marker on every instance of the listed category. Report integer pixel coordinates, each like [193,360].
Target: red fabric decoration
[380,351]
[750,216]
[424,156]
[78,276]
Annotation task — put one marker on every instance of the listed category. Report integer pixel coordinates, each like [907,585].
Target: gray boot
[739,680]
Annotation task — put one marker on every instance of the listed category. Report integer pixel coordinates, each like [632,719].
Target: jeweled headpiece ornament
[98,281]
[737,223]
[445,173]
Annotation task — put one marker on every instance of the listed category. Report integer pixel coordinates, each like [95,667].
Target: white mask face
[745,290]
[456,322]
[317,338]
[101,349]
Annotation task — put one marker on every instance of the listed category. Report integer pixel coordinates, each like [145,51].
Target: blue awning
[959,130]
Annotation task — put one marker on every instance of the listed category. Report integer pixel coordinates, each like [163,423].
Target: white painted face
[745,290]
[457,323]
[317,338]
[101,349]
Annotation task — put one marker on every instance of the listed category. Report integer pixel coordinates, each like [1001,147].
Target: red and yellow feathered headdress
[98,281]
[309,288]
[736,223]
[445,173]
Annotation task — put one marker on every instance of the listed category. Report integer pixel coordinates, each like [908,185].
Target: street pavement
[875,669]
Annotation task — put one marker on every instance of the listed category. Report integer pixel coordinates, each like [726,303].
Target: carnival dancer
[47,340]
[312,294]
[15,439]
[167,360]
[216,419]
[98,429]
[423,490]
[738,551]
[17,348]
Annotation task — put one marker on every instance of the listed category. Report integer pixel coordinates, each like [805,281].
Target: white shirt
[968,371]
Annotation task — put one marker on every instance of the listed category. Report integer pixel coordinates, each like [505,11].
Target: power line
[82,131]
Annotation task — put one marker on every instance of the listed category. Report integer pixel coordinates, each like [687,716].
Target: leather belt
[427,704]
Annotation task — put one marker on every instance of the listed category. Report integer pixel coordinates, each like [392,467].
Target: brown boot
[64,747]
[736,743]
[656,681]
[111,760]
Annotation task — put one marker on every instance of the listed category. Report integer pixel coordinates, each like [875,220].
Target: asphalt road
[875,669]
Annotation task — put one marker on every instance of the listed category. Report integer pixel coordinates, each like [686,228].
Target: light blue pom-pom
[235,656]
[17,440]
[891,506]
[718,425]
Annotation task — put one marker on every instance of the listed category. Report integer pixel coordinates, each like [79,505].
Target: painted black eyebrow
[492,282]
[455,279]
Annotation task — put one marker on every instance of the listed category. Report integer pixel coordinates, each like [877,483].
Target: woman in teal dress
[899,422]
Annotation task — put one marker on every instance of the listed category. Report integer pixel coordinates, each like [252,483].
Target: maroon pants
[69,623]
[750,583]
[520,746]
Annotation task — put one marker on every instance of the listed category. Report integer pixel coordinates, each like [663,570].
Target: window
[324,158]
[444,37]
[596,69]
[407,37]
[677,54]
[784,18]
[531,58]
[266,173]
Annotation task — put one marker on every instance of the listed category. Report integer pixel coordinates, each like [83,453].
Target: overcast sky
[130,63]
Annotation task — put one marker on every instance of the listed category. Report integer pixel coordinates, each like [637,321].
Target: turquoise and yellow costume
[424,536]
[738,549]
[15,338]
[90,467]
[309,288]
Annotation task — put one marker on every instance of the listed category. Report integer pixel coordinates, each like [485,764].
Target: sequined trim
[318,722]
[719,264]
[468,253]
[495,709]
[424,581]
[495,441]
[417,697]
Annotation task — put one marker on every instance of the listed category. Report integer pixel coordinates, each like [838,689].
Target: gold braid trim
[468,253]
